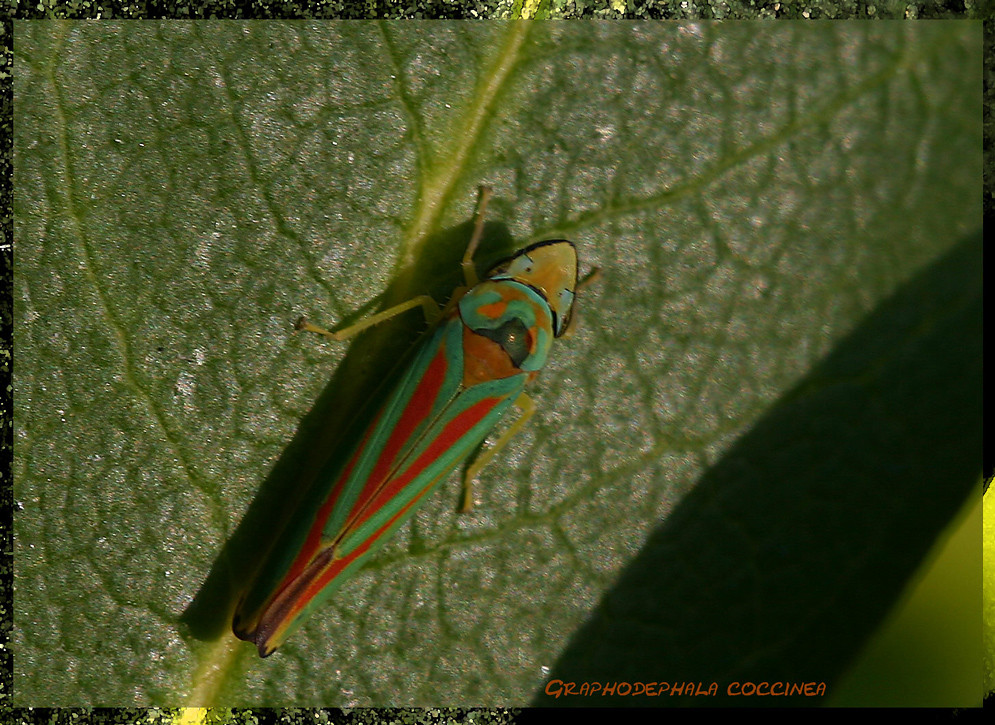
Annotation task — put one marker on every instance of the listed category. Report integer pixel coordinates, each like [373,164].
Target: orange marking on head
[494,310]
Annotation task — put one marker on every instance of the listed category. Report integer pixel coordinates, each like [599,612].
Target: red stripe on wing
[419,406]
[450,434]
[314,535]
[447,438]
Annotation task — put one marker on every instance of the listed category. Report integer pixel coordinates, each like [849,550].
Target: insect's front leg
[469,269]
[429,306]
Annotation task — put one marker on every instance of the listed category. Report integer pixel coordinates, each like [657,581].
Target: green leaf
[753,194]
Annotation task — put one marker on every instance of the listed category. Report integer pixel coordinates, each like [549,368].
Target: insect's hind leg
[528,408]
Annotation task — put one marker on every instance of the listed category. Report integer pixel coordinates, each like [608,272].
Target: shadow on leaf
[794,546]
[332,427]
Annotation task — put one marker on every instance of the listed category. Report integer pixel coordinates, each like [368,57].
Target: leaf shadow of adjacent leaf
[328,430]
[794,546]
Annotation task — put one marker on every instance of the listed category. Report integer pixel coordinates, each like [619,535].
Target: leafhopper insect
[483,348]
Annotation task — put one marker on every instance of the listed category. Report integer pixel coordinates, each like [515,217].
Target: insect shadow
[333,425]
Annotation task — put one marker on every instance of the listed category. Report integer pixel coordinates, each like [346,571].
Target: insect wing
[462,378]
[428,425]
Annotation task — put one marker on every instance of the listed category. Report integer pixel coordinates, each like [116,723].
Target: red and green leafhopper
[484,346]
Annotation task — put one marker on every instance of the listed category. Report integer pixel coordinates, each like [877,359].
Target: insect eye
[513,337]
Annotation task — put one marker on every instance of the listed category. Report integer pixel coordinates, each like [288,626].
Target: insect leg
[593,276]
[469,270]
[428,305]
[525,404]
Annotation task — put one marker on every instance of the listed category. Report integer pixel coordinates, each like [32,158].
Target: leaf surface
[751,192]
